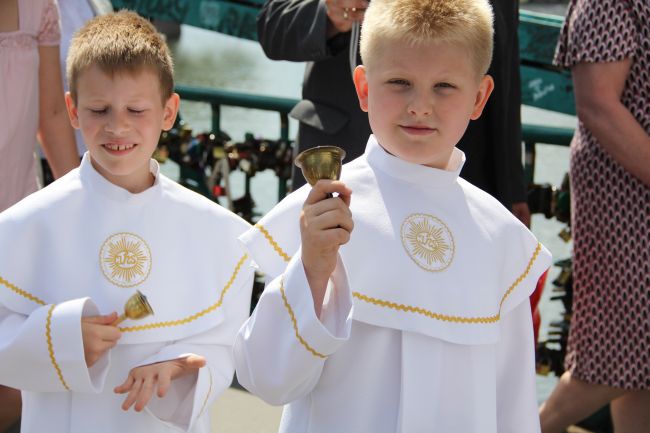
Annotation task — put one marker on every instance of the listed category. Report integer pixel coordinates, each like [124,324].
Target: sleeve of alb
[516,397]
[282,348]
[43,351]
[190,396]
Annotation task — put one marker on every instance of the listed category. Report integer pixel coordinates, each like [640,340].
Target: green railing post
[216,117]
[533,134]
[284,135]
[529,162]
[284,127]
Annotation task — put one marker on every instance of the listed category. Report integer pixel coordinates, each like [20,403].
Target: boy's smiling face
[420,98]
[120,118]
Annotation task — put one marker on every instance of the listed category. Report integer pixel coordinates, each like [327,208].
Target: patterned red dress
[609,341]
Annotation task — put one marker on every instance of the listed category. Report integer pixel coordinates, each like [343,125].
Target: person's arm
[515,353]
[598,89]
[298,30]
[44,351]
[182,380]
[54,130]
[282,348]
[10,408]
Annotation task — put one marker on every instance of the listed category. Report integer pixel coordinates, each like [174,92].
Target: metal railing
[218,97]
[531,134]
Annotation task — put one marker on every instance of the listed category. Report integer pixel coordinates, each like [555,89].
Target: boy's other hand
[325,224]
[342,13]
[143,381]
[98,336]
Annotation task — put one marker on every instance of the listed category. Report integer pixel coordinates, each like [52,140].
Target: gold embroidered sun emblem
[428,242]
[125,259]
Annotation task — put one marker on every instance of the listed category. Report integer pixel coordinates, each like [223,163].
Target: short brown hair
[466,22]
[120,42]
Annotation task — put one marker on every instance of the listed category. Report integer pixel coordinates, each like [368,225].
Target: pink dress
[609,339]
[19,60]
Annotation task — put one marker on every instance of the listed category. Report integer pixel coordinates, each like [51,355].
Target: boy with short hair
[74,252]
[416,320]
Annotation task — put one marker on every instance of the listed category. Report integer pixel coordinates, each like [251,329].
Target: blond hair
[120,42]
[464,22]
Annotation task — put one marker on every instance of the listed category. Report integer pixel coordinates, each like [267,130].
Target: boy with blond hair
[74,252]
[404,309]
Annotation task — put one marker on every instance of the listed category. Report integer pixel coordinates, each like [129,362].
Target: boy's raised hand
[342,13]
[99,336]
[143,381]
[325,224]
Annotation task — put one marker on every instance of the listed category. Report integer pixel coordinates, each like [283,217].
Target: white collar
[414,173]
[93,179]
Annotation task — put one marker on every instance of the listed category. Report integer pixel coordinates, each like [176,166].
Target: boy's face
[120,118]
[421,98]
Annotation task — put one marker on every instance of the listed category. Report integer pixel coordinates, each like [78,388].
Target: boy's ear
[170,111]
[361,84]
[72,110]
[482,95]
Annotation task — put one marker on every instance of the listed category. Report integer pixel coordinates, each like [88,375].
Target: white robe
[82,246]
[426,326]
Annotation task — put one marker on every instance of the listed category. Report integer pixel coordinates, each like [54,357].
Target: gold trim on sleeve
[22,293]
[273,243]
[295,323]
[50,346]
[205,401]
[193,316]
[445,317]
[292,316]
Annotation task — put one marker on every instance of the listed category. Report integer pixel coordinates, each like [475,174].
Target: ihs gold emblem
[428,242]
[125,259]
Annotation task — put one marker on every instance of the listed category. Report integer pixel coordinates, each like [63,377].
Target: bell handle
[119,320]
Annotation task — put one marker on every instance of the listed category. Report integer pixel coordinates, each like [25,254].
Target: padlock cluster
[207,159]
[555,202]
[551,352]
[551,201]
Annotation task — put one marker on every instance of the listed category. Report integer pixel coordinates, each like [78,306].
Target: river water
[209,59]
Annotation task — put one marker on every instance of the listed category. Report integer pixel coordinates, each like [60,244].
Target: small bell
[136,307]
[321,162]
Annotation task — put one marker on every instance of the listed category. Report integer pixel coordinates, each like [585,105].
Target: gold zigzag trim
[50,347]
[447,318]
[21,292]
[273,243]
[193,316]
[522,276]
[295,323]
[208,394]
[418,310]
[424,312]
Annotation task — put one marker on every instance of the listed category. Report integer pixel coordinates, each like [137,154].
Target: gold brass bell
[321,162]
[136,307]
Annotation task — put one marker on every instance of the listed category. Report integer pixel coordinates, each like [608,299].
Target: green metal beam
[538,35]
[228,17]
[238,99]
[546,134]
